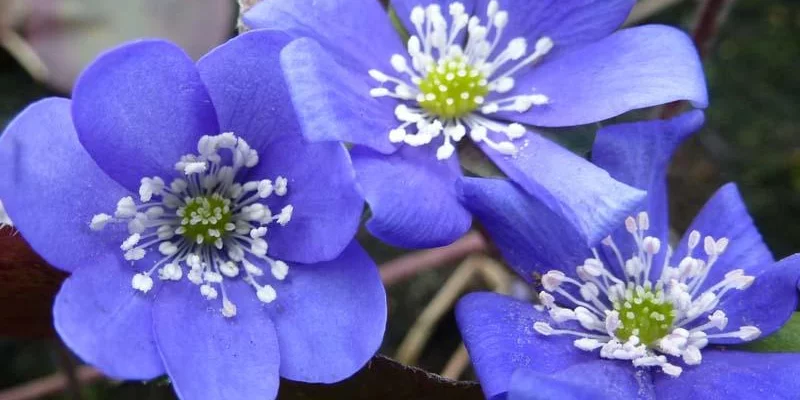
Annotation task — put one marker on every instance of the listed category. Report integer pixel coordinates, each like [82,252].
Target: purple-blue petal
[725,215]
[638,154]
[106,322]
[327,205]
[735,375]
[531,237]
[359,32]
[249,93]
[631,69]
[139,107]
[768,303]
[499,336]
[598,379]
[209,356]
[333,102]
[584,195]
[569,23]
[412,196]
[330,317]
[245,82]
[51,187]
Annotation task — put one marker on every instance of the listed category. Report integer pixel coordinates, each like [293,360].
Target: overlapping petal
[412,196]
[51,187]
[106,322]
[358,32]
[638,154]
[531,237]
[139,107]
[578,191]
[333,102]
[212,357]
[735,375]
[630,69]
[245,82]
[330,317]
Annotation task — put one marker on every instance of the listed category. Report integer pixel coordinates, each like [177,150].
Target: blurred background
[752,137]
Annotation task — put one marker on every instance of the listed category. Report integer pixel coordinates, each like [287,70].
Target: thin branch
[24,54]
[407,266]
[709,18]
[457,364]
[647,8]
[50,385]
[419,333]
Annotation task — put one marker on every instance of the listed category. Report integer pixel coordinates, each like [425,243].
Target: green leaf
[785,340]
[398,25]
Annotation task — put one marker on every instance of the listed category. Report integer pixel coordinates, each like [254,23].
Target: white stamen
[206,221]
[445,49]
[634,297]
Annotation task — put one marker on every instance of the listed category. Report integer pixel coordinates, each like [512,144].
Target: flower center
[629,317]
[456,75]
[644,313]
[205,225]
[453,89]
[205,218]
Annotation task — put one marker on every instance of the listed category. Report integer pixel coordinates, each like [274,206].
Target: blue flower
[485,70]
[205,238]
[631,317]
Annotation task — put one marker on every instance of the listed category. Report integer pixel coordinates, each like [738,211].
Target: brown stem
[708,20]
[411,264]
[49,385]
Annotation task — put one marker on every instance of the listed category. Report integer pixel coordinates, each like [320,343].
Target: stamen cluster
[205,225]
[444,88]
[632,317]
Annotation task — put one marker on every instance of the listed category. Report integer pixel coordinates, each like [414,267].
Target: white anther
[544,45]
[265,188]
[718,320]
[196,167]
[630,225]
[150,187]
[543,328]
[281,186]
[279,270]
[267,294]
[167,248]
[378,75]
[515,131]
[588,344]
[694,239]
[99,221]
[552,280]
[286,215]
[228,309]
[134,254]
[748,333]
[229,269]
[126,208]
[208,292]
[651,245]
[445,151]
[142,282]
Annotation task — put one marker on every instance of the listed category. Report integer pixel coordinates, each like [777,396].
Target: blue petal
[768,303]
[733,375]
[246,84]
[106,322]
[638,154]
[569,23]
[412,196]
[358,31]
[631,69]
[51,187]
[599,379]
[208,356]
[531,237]
[334,102]
[498,332]
[139,107]
[330,317]
[582,194]
[725,215]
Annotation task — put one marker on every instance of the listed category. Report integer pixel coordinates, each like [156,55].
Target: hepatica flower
[631,317]
[480,71]
[205,238]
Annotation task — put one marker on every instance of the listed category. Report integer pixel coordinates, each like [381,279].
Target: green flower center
[204,218]
[644,313]
[453,89]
